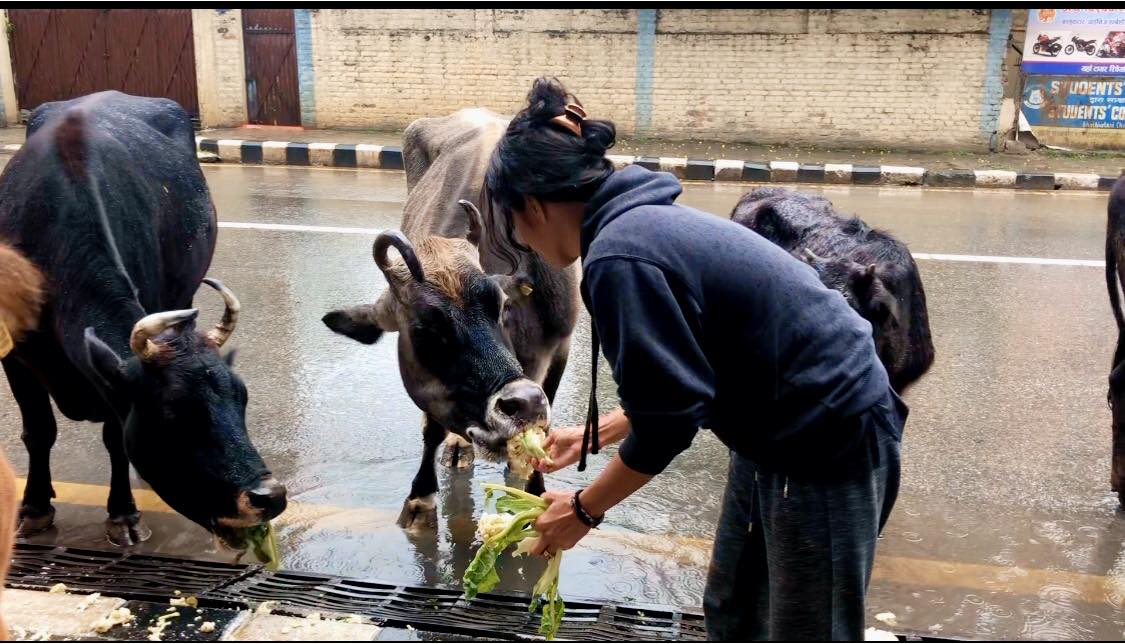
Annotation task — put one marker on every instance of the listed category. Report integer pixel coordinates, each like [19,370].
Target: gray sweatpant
[792,555]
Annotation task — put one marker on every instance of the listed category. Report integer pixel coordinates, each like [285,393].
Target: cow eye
[433,328]
[490,300]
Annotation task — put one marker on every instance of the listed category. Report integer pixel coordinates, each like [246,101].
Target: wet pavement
[1005,527]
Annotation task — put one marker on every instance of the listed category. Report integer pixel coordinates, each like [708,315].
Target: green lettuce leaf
[480,576]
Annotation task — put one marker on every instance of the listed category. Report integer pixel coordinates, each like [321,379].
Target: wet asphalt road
[1005,526]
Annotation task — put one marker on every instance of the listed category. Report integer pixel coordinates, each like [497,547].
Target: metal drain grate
[490,615]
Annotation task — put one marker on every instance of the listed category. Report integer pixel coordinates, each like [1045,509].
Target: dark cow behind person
[107,200]
[1114,265]
[480,352]
[874,271]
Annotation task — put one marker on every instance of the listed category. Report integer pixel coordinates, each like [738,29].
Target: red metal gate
[272,97]
[59,54]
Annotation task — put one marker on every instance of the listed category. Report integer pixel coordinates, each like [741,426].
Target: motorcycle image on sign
[1085,46]
[1046,45]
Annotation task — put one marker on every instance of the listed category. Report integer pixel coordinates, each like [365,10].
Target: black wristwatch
[585,517]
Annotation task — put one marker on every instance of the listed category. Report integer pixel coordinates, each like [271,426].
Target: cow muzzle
[518,404]
[261,504]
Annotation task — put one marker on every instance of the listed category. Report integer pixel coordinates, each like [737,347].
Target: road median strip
[389,157]
[386,157]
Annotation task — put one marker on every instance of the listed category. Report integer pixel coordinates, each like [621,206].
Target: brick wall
[901,77]
[845,77]
[383,68]
[220,67]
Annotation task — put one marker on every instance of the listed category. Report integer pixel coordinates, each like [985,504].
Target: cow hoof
[1121,499]
[458,453]
[418,514]
[127,530]
[32,522]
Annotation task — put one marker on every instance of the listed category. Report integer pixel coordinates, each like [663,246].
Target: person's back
[789,357]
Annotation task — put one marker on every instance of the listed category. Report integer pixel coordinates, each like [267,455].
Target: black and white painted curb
[386,157]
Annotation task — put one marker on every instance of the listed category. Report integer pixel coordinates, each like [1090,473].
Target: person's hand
[563,445]
[558,527]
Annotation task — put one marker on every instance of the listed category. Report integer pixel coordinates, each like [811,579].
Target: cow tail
[70,144]
[73,150]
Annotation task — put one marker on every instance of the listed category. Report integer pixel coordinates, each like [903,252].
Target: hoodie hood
[622,191]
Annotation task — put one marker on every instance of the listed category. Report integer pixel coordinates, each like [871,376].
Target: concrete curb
[387,157]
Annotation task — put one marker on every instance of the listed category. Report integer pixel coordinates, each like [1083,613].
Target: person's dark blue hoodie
[708,324]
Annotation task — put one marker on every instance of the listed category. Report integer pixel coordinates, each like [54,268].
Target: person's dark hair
[543,159]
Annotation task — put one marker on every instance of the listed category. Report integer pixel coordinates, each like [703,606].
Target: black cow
[108,201]
[874,271]
[1114,265]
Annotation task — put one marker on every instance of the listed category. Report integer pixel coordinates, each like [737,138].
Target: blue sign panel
[1074,102]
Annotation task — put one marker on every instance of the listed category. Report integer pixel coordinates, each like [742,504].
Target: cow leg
[419,511]
[535,484]
[1114,396]
[555,371]
[1117,473]
[457,453]
[123,527]
[39,432]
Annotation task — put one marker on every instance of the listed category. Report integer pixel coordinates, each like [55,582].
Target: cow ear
[357,323]
[109,367]
[863,277]
[229,358]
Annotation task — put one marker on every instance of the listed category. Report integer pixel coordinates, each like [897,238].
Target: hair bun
[599,136]
[547,99]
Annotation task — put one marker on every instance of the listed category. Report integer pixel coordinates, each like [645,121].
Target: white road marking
[937,257]
[293,228]
[993,259]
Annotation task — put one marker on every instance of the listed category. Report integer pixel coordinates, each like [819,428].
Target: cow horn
[475,221]
[389,238]
[222,331]
[152,325]
[809,256]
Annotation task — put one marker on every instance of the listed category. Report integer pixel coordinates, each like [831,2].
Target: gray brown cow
[481,354]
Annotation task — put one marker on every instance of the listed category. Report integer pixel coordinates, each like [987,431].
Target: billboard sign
[1075,102]
[1075,42]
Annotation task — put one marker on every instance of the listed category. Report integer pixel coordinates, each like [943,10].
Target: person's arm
[559,527]
[564,444]
[648,322]
[616,482]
